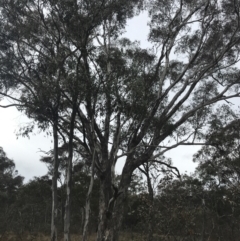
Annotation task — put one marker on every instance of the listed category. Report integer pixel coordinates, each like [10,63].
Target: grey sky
[26,152]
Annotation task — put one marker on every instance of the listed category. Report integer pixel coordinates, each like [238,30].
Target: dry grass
[124,236]
[41,237]
[37,237]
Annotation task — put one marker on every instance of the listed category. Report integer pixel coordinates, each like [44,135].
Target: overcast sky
[26,152]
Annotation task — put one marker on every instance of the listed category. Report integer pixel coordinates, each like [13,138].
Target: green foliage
[34,206]
[10,182]
[219,160]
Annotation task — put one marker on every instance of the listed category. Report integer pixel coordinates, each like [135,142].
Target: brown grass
[41,237]
[37,237]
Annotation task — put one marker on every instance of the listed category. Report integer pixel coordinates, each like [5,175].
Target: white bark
[87,205]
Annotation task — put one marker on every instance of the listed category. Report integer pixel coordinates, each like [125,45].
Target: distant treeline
[193,207]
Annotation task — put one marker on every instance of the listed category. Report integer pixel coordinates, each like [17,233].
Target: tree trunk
[117,218]
[68,202]
[54,218]
[150,223]
[69,180]
[121,201]
[150,218]
[111,210]
[105,190]
[151,209]
[203,220]
[87,206]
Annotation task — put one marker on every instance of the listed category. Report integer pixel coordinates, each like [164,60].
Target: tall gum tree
[31,72]
[34,56]
[135,103]
[142,99]
[44,68]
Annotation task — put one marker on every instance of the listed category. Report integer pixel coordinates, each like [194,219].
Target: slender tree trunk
[151,209]
[150,218]
[87,206]
[67,215]
[68,201]
[54,218]
[203,220]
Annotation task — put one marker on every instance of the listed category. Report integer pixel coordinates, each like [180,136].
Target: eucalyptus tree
[44,48]
[31,47]
[34,56]
[135,104]
[218,163]
[144,103]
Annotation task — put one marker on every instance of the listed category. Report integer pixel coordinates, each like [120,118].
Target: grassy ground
[124,236]
[42,237]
